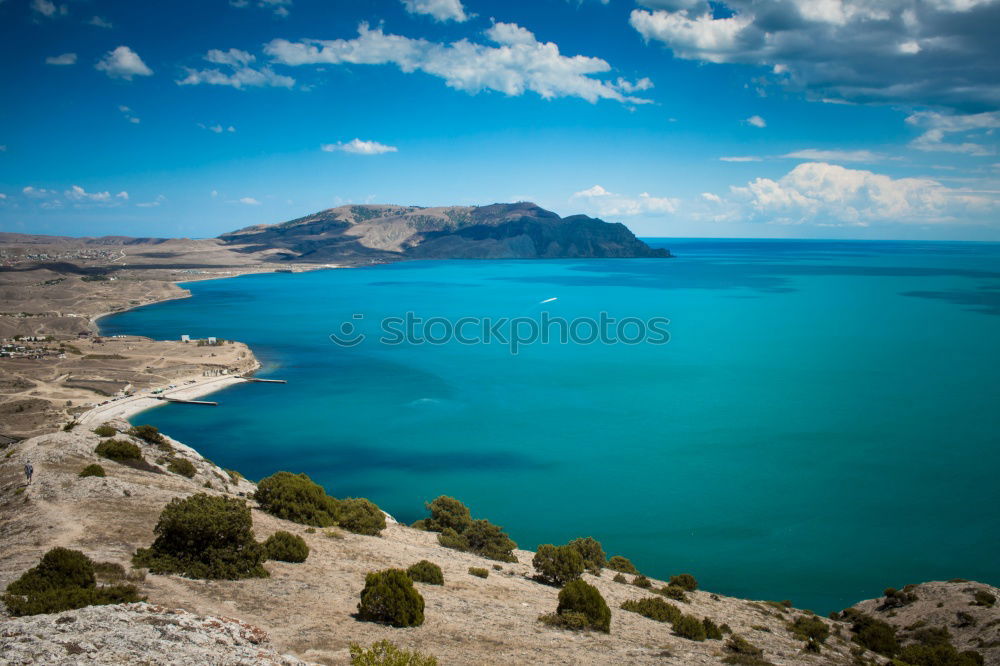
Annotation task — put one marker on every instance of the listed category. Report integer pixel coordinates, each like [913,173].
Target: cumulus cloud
[129,116]
[80,196]
[935,52]
[607,203]
[99,22]
[831,195]
[938,127]
[48,9]
[239,72]
[441,10]
[249,201]
[816,155]
[64,59]
[359,147]
[518,63]
[756,121]
[123,63]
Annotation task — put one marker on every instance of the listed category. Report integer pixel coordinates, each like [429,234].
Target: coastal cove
[820,426]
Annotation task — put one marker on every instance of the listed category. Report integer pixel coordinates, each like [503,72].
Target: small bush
[286,547]
[685,582]
[425,572]
[622,565]
[360,516]
[109,572]
[205,537]
[557,565]
[739,645]
[63,580]
[984,598]
[712,630]
[569,620]
[390,598]
[673,592]
[92,470]
[482,538]
[689,627]
[446,512]
[591,551]
[642,581]
[873,634]
[105,431]
[118,450]
[619,578]
[150,434]
[580,597]
[181,466]
[809,628]
[654,608]
[384,653]
[479,572]
[296,498]
[897,598]
[943,654]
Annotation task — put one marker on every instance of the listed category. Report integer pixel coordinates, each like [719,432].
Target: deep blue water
[823,423]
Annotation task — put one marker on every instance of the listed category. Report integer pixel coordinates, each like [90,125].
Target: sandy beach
[127,407]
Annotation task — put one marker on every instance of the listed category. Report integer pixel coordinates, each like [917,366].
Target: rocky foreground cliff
[307,611]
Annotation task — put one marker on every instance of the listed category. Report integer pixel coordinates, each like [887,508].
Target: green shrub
[205,537]
[482,538]
[446,512]
[642,581]
[809,628]
[939,655]
[569,620]
[591,551]
[92,470]
[739,645]
[557,565]
[150,434]
[118,450]
[384,653]
[181,466]
[63,580]
[654,608]
[685,582]
[479,572]
[296,498]
[689,627]
[622,565]
[360,516]
[672,592]
[105,431]
[712,630]
[286,547]
[873,634]
[425,572]
[984,598]
[580,597]
[898,598]
[390,598]
[619,578]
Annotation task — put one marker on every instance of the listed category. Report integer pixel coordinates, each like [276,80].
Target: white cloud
[359,147]
[280,7]
[887,51]
[518,64]
[123,63]
[241,73]
[816,155]
[64,59]
[714,198]
[607,203]
[628,87]
[3,148]
[80,196]
[741,158]
[831,195]
[249,201]
[441,10]
[756,121]
[48,9]
[129,116]
[938,126]
[37,193]
[2,196]
[152,204]
[99,22]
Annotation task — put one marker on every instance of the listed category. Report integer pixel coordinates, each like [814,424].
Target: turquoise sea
[823,423]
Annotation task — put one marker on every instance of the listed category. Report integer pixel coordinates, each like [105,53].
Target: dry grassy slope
[307,608]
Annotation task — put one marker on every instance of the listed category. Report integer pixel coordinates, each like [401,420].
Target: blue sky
[790,118]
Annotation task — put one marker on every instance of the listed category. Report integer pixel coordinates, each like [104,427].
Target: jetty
[267,381]
[186,402]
